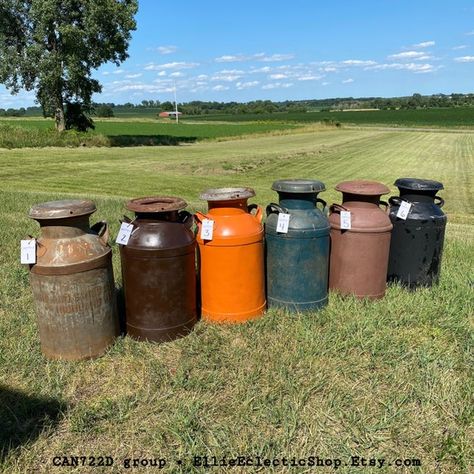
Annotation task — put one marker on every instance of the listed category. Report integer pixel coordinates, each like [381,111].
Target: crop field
[448,117]
[390,380]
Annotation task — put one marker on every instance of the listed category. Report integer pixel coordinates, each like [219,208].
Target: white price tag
[207,229]
[403,210]
[124,233]
[283,223]
[28,251]
[345,219]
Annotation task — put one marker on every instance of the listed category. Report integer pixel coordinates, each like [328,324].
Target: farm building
[169,114]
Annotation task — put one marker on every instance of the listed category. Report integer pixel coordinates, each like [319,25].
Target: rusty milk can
[232,262]
[417,242]
[359,254]
[158,270]
[72,281]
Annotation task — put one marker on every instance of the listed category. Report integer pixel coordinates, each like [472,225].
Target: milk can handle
[323,202]
[199,216]
[186,218]
[337,207]
[259,214]
[384,203]
[395,201]
[275,208]
[102,229]
[440,202]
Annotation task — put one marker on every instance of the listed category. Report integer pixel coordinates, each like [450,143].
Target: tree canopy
[52,47]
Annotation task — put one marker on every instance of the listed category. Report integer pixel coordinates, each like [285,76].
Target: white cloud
[416,55]
[461,46]
[465,59]
[225,77]
[309,78]
[325,83]
[357,62]
[231,58]
[162,73]
[277,85]
[202,76]
[246,85]
[329,69]
[278,76]
[277,57]
[413,67]
[177,74]
[167,49]
[470,33]
[220,87]
[424,44]
[133,76]
[260,70]
[174,65]
[347,81]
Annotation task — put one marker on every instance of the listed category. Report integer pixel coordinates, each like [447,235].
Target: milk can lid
[227,194]
[62,209]
[363,187]
[156,204]
[298,186]
[415,184]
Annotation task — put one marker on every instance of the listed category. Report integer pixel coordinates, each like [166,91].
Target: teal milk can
[297,260]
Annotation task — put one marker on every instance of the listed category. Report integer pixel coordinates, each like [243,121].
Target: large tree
[53,46]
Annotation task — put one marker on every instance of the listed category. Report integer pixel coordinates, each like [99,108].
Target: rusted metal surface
[72,282]
[359,256]
[158,270]
[227,194]
[416,247]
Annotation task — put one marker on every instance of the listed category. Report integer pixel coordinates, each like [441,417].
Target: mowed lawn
[391,379]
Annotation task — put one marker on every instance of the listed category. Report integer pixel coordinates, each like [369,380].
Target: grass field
[391,379]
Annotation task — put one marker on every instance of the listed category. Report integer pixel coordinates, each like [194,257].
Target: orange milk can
[231,258]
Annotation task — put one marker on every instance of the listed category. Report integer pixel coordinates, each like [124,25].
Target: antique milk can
[232,261]
[297,260]
[72,281]
[359,250]
[158,270]
[417,241]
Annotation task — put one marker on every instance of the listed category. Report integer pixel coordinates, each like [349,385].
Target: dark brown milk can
[359,255]
[158,270]
[72,281]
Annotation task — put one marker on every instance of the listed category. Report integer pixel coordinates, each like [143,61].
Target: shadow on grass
[148,140]
[23,417]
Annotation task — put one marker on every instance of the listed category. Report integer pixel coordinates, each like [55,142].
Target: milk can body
[297,261]
[231,264]
[359,255]
[416,247]
[158,270]
[72,281]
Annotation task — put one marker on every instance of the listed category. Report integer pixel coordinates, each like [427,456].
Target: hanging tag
[345,219]
[403,210]
[283,223]
[207,229]
[124,233]
[28,251]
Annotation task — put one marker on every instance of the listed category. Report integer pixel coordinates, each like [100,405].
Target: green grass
[391,379]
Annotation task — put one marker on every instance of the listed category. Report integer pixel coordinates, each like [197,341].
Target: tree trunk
[60,118]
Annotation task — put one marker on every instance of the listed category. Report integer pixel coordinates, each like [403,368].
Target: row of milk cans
[229,267]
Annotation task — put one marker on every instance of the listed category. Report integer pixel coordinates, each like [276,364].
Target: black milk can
[417,241]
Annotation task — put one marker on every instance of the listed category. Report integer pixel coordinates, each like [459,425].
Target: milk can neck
[168,216]
[64,228]
[231,203]
[361,199]
[417,196]
[297,200]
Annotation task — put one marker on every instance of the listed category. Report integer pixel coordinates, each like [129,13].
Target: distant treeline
[197,107]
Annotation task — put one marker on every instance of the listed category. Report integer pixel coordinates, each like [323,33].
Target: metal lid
[62,209]
[298,186]
[415,184]
[363,187]
[227,194]
[156,204]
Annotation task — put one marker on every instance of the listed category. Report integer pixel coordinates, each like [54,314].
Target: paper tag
[124,233]
[283,223]
[207,229]
[403,210]
[28,251]
[345,219]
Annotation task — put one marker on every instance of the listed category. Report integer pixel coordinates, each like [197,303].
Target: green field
[389,379]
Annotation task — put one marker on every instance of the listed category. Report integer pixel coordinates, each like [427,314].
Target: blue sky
[304,49]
